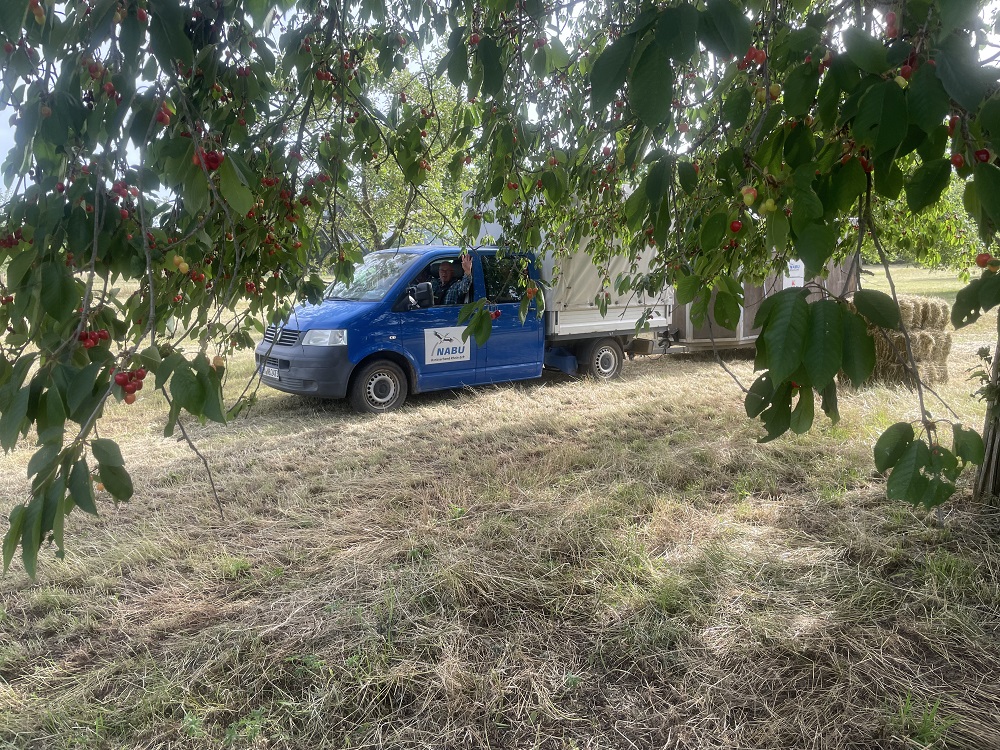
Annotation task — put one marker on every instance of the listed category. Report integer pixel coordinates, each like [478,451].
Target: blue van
[390,332]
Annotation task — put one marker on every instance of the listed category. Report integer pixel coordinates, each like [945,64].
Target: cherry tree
[176,163]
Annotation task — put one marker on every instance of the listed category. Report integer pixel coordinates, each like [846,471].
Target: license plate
[271,372]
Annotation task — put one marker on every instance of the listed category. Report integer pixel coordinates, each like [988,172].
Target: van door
[433,338]
[514,350]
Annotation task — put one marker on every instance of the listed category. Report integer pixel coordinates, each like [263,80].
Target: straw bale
[909,311]
[930,350]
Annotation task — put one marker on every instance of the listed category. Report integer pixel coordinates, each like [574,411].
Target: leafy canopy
[177,164]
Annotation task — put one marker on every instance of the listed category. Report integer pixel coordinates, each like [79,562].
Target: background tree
[194,149]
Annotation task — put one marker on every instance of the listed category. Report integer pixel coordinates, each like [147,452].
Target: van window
[503,277]
[373,277]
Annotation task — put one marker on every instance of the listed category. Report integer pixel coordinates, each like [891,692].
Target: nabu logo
[445,345]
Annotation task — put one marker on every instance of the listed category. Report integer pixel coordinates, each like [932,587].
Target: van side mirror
[420,295]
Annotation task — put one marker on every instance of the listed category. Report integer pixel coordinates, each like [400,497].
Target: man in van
[449,290]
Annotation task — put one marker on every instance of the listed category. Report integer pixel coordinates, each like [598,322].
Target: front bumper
[321,371]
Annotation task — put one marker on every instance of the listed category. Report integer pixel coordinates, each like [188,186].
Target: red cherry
[983,155]
[142,15]
[140,373]
[983,259]
[906,71]
[123,213]
[474,39]
[512,186]
[958,160]
[129,398]
[952,124]
[103,334]
[735,226]
[121,378]
[60,187]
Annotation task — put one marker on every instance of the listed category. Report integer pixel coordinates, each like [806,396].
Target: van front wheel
[379,386]
[601,359]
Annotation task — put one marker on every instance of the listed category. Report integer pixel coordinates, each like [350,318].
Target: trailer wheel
[601,359]
[380,386]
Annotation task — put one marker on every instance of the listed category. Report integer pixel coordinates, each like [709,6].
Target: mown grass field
[557,564]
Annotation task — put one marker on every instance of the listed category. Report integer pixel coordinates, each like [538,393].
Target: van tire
[601,359]
[378,387]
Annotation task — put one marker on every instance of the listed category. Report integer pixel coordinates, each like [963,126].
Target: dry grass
[547,565]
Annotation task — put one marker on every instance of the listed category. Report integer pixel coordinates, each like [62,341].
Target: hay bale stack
[925,318]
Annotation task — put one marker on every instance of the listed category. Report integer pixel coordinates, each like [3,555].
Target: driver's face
[445,272]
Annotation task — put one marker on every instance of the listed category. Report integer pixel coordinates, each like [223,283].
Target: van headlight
[325,337]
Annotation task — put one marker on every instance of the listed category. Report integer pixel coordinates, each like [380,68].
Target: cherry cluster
[90,339]
[211,159]
[12,239]
[130,381]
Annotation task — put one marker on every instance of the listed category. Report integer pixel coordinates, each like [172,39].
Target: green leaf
[116,481]
[81,487]
[829,402]
[609,71]
[889,448]
[44,459]
[927,184]
[906,481]
[651,86]
[687,288]
[58,291]
[966,309]
[927,101]
[31,534]
[804,413]
[12,418]
[824,351]
[859,348]
[677,32]
[881,122]
[233,190]
[777,417]
[848,182]
[458,57]
[784,333]
[106,452]
[989,116]
[167,36]
[964,77]
[713,231]
[865,52]
[489,56]
[815,246]
[186,390]
[727,310]
[800,147]
[759,396]
[968,445]
[12,14]
[731,24]
[777,231]
[958,14]
[13,535]
[736,108]
[800,89]
[987,181]
[688,176]
[878,307]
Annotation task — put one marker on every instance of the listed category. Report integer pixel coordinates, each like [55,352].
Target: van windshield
[373,277]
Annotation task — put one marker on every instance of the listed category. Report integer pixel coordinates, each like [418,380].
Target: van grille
[285,336]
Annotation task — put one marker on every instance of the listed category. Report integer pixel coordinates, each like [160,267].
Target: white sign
[795,276]
[446,345]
